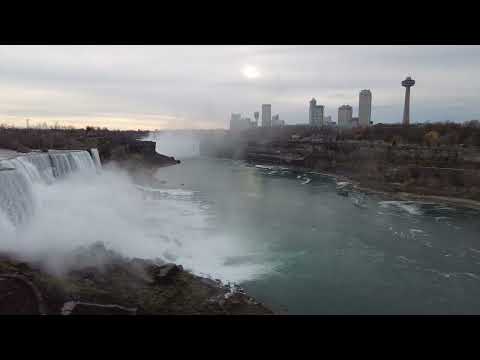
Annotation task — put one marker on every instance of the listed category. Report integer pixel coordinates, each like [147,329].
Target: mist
[179,144]
[134,221]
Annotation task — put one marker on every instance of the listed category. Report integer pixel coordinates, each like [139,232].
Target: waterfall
[16,197]
[64,163]
[19,174]
[96,158]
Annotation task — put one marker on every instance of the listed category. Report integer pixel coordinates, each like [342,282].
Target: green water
[331,254]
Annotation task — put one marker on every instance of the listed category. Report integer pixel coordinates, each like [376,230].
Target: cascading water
[96,158]
[65,163]
[16,198]
[18,176]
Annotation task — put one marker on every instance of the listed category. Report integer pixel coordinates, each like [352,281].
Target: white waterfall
[64,163]
[16,198]
[19,174]
[96,158]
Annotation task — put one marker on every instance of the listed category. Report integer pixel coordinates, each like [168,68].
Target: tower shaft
[406,109]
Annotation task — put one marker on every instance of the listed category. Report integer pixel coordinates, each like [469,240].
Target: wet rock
[83,308]
[208,282]
[18,295]
[166,273]
[142,263]
[140,268]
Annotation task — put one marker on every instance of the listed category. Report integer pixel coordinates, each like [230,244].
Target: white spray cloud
[181,144]
[80,211]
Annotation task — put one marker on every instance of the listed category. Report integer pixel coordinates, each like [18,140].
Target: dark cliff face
[429,170]
[136,151]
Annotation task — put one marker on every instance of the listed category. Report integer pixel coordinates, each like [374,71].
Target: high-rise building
[266,115]
[256,116]
[364,107]
[345,116]
[315,115]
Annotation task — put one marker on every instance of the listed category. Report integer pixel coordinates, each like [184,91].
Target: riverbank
[101,282]
[382,190]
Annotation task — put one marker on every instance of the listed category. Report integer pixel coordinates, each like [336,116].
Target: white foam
[172,192]
[407,206]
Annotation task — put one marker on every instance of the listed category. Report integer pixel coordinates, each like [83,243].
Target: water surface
[294,243]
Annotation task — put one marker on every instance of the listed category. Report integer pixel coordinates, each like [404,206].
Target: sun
[250,72]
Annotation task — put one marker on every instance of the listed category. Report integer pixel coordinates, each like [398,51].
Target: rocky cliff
[444,170]
[101,282]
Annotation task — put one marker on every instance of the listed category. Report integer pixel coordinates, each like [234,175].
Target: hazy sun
[250,72]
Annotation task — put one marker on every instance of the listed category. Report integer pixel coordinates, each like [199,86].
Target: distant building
[256,115]
[276,121]
[328,121]
[407,83]
[266,115]
[364,108]
[345,116]
[237,123]
[355,122]
[315,115]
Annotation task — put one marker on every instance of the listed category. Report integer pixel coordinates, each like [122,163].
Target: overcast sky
[158,87]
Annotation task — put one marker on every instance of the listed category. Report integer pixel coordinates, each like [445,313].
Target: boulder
[165,273]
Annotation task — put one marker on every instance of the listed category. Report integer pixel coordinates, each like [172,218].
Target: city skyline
[168,87]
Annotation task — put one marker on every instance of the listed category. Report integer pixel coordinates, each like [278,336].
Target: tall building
[364,108]
[266,115]
[256,116]
[315,115]
[407,83]
[345,116]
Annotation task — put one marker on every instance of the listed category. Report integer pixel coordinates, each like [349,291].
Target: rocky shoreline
[102,282]
[389,192]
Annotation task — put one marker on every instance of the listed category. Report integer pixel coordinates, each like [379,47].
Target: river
[289,238]
[297,245]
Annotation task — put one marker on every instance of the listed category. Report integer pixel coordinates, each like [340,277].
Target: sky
[178,87]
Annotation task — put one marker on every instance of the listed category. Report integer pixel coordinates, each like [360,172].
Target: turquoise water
[300,247]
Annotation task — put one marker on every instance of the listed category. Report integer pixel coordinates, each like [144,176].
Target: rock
[142,263]
[140,268]
[18,295]
[208,282]
[83,308]
[165,273]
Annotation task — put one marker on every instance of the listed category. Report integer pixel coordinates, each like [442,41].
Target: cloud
[199,86]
